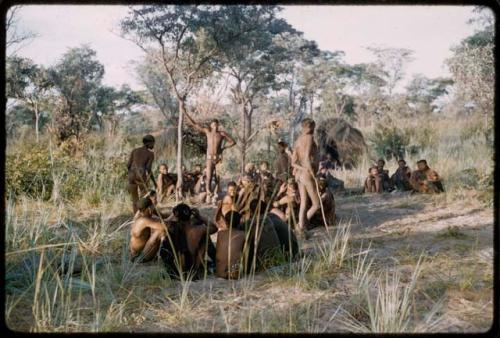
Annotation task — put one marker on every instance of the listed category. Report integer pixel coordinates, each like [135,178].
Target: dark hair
[163,165]
[182,211]
[152,193]
[422,161]
[215,120]
[231,184]
[371,168]
[233,218]
[254,205]
[401,160]
[381,160]
[293,184]
[144,203]
[308,122]
[148,139]
[264,162]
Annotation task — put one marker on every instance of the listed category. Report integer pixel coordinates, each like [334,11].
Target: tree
[76,78]
[152,76]
[16,38]
[187,41]
[254,62]
[422,92]
[473,66]
[391,63]
[28,83]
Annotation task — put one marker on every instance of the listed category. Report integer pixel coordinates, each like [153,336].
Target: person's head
[402,163]
[264,166]
[422,165]
[291,188]
[233,218]
[323,170]
[308,125]
[197,168]
[231,188]
[282,145]
[214,124]
[163,169]
[152,196]
[246,180]
[183,167]
[148,141]
[328,156]
[249,167]
[380,163]
[143,204]
[373,171]
[181,213]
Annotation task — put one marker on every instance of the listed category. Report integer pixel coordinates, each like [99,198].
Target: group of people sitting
[423,179]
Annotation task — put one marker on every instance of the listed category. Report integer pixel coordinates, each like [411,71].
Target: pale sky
[428,30]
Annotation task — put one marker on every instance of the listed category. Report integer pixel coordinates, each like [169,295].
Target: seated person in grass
[328,204]
[373,182]
[165,184]
[401,178]
[248,190]
[187,249]
[264,172]
[227,204]
[333,183]
[384,176]
[287,202]
[147,205]
[146,232]
[425,180]
[250,172]
[192,178]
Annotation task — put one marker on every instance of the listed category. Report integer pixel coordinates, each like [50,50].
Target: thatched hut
[342,141]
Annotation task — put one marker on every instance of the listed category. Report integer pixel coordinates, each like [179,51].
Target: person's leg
[210,169]
[312,193]
[303,206]
[134,194]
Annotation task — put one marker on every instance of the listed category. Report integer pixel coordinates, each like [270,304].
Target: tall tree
[76,78]
[391,63]
[254,62]
[28,83]
[473,65]
[187,41]
[422,92]
[16,38]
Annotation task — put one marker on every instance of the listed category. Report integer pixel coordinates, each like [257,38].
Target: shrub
[389,142]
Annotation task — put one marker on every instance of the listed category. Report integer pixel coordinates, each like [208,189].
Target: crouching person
[187,249]
[260,242]
[147,231]
[425,180]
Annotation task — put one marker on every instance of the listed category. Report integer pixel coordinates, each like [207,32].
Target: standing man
[214,148]
[305,165]
[139,169]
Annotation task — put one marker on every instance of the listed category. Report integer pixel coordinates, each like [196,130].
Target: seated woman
[227,204]
[287,202]
[401,178]
[425,180]
[373,182]
[165,184]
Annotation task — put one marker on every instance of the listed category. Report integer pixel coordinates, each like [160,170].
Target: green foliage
[391,142]
[29,171]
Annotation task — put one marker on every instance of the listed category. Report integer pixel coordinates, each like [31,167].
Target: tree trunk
[246,118]
[37,122]
[178,190]
[311,110]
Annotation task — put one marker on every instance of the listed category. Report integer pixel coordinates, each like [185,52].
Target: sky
[429,31]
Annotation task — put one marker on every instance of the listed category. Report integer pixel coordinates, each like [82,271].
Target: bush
[389,142]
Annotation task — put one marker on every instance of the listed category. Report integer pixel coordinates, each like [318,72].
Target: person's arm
[194,124]
[159,184]
[129,164]
[231,142]
[433,176]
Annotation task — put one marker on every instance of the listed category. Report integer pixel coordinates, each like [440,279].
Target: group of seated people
[254,221]
[422,180]
[252,241]
[194,183]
